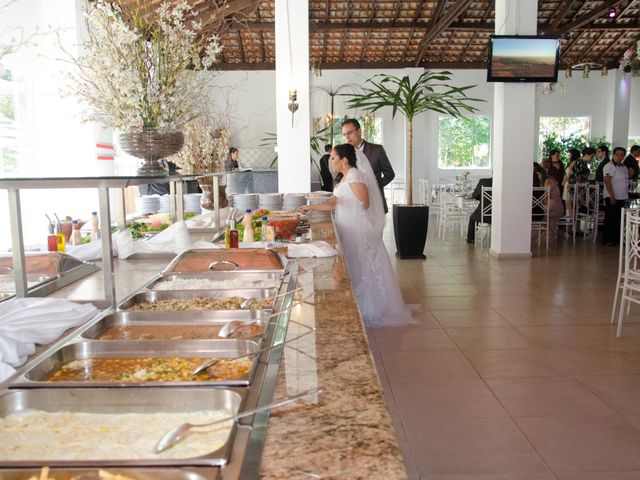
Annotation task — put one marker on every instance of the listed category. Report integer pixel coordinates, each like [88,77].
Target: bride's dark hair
[347,150]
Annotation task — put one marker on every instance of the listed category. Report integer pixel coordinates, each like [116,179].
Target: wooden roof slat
[587,17]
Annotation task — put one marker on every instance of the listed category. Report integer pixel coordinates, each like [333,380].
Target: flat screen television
[523,58]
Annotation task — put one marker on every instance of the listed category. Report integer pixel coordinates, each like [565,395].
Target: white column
[513,142]
[292,73]
[618,108]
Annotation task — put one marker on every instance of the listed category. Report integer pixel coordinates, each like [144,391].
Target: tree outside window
[563,133]
[8,124]
[371,127]
[464,142]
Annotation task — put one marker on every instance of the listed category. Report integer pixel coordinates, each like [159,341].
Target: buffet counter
[346,432]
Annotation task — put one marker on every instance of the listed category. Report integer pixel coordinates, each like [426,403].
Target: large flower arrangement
[205,147]
[139,68]
[630,61]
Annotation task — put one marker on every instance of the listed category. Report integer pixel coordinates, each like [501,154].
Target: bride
[359,219]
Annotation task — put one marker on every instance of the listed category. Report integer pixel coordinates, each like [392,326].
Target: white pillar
[292,73]
[618,108]
[513,142]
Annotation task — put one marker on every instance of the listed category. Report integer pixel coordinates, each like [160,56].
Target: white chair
[568,220]
[587,209]
[540,205]
[483,228]
[629,259]
[449,211]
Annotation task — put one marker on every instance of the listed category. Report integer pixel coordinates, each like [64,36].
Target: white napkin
[175,239]
[318,248]
[25,322]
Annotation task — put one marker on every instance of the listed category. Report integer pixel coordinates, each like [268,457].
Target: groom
[375,154]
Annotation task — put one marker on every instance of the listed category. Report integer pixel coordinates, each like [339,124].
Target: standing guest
[616,192]
[631,162]
[476,216]
[545,163]
[602,153]
[580,169]
[569,178]
[325,172]
[556,206]
[231,163]
[556,169]
[376,155]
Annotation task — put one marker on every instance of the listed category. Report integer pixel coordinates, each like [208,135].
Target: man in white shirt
[616,192]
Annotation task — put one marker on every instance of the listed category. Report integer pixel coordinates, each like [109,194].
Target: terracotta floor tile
[446,397]
[424,365]
[593,361]
[407,339]
[599,476]
[454,303]
[633,420]
[508,476]
[584,444]
[492,338]
[514,363]
[570,335]
[470,446]
[620,392]
[546,396]
[470,318]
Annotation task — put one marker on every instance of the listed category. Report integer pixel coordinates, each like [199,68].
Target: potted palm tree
[430,92]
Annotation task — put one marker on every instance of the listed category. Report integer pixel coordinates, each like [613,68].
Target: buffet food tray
[223,259]
[121,401]
[37,375]
[250,277]
[130,473]
[171,319]
[156,295]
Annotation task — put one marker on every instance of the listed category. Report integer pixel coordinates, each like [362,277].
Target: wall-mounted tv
[523,58]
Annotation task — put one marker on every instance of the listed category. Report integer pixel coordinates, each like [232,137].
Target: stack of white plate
[192,202]
[147,204]
[293,201]
[270,201]
[317,198]
[164,205]
[244,201]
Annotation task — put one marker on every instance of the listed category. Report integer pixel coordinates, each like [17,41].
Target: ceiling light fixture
[613,13]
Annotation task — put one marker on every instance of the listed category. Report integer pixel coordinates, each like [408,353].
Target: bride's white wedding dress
[368,264]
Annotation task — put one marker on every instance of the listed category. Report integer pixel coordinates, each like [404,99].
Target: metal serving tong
[177,434]
[209,363]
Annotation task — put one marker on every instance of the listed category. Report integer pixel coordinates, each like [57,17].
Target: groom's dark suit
[380,165]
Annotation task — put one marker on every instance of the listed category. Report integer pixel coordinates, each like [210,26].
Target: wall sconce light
[293,103]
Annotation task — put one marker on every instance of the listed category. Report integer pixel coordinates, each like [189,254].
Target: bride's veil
[375,213]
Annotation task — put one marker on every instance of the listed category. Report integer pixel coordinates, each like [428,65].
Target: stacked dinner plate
[318,198]
[293,201]
[147,204]
[164,205]
[270,201]
[244,201]
[192,202]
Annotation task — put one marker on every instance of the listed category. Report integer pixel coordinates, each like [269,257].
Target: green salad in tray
[152,224]
[256,223]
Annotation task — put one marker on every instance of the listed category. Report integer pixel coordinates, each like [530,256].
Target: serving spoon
[247,302]
[210,363]
[177,434]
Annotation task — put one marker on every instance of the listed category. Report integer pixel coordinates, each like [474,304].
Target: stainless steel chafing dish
[37,375]
[249,277]
[155,295]
[167,473]
[164,319]
[216,259]
[152,400]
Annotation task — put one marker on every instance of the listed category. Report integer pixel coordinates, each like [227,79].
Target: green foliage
[371,128]
[464,142]
[6,106]
[564,144]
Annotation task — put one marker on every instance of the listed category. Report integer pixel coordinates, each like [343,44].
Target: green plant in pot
[432,91]
[138,73]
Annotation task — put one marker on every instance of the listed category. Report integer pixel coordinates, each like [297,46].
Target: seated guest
[602,153]
[631,162]
[616,188]
[475,217]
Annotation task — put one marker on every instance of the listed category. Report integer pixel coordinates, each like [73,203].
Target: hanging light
[585,70]
[568,73]
[605,71]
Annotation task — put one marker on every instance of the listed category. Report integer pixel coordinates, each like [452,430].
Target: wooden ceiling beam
[466,47]
[608,49]
[448,18]
[587,17]
[354,65]
[559,15]
[413,30]
[573,43]
[395,20]
[374,4]
[625,10]
[372,25]
[486,13]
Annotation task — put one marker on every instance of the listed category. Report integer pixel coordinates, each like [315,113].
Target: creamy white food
[38,435]
[205,284]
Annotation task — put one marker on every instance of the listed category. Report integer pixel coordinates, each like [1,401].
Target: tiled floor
[514,372]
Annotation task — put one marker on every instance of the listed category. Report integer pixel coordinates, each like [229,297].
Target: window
[464,142]
[563,133]
[371,128]
[8,123]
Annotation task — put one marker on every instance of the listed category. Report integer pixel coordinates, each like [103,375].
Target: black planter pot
[410,223]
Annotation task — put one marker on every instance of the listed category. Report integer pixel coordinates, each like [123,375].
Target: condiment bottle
[233,235]
[263,229]
[227,234]
[76,237]
[95,232]
[60,236]
[52,239]
[247,221]
[271,233]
